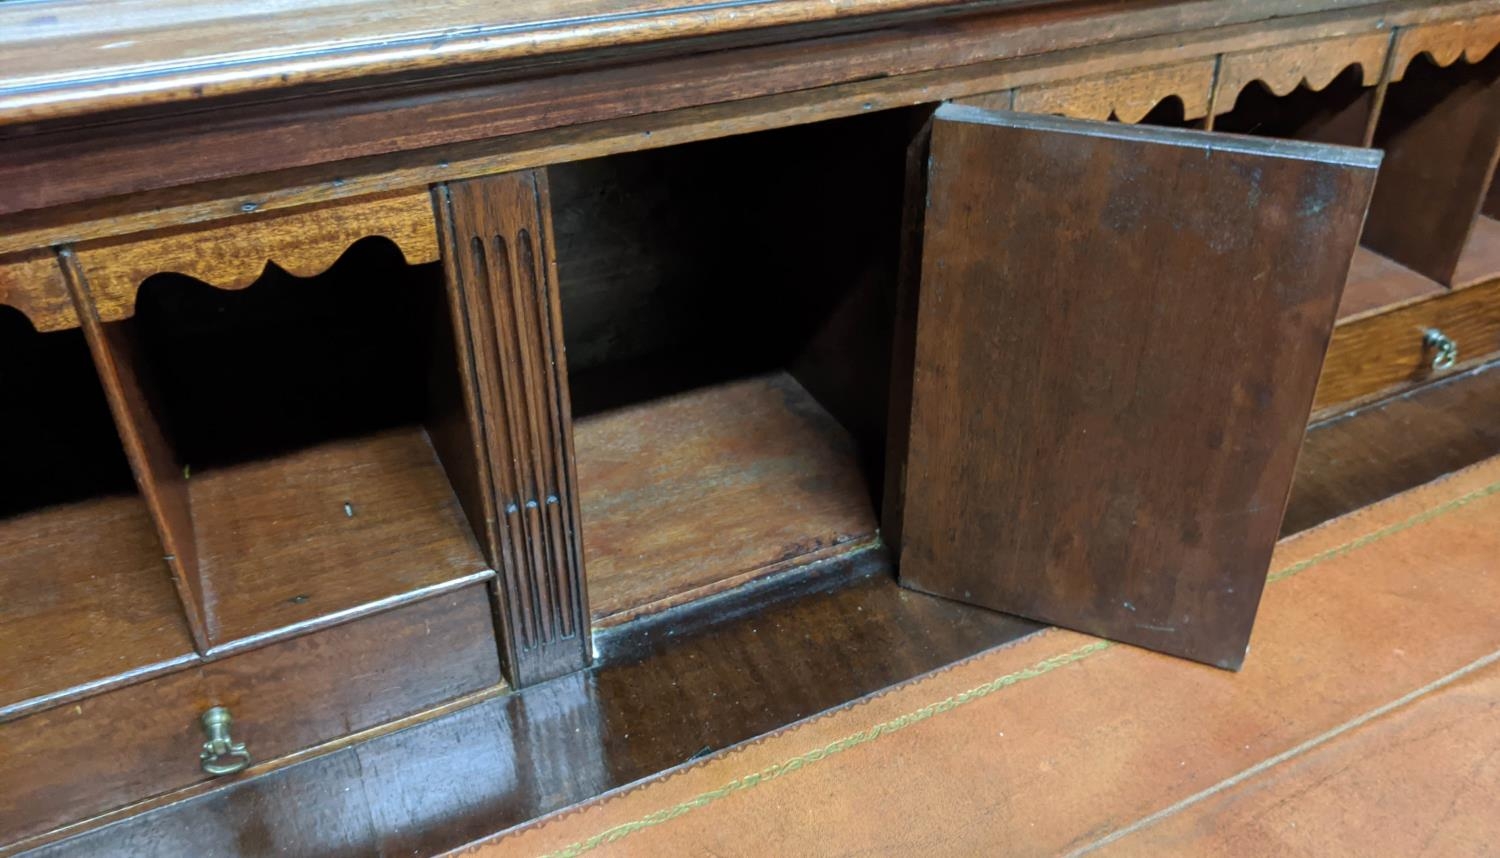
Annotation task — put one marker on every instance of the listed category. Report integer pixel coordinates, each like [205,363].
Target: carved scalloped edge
[1284,69]
[1114,97]
[234,254]
[1446,43]
[246,273]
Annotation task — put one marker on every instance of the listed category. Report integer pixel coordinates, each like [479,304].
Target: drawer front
[82,759]
[1384,352]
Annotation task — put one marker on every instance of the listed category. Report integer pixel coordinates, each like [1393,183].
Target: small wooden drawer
[78,760]
[1384,352]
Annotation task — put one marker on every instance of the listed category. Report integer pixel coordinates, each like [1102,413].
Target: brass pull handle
[1444,349]
[222,755]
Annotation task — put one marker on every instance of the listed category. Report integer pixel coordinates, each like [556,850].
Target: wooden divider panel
[1440,129]
[156,469]
[498,255]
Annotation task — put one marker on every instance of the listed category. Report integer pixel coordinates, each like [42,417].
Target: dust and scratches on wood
[232,255]
[1446,42]
[1382,353]
[32,282]
[1126,96]
[1167,297]
[278,550]
[686,496]
[500,261]
[1314,65]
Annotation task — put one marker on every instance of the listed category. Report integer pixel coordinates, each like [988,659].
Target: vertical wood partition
[498,256]
[1440,129]
[156,470]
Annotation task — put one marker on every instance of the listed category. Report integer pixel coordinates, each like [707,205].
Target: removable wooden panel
[32,282]
[693,494]
[1440,129]
[77,760]
[1119,335]
[1127,96]
[232,255]
[501,271]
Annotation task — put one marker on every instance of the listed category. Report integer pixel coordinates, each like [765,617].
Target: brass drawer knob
[222,755]
[1444,349]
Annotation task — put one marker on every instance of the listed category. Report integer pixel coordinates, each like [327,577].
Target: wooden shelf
[1480,262]
[278,549]
[76,575]
[695,493]
[1376,283]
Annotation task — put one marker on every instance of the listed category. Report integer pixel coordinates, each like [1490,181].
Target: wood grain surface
[75,575]
[1446,42]
[660,699]
[1034,47]
[342,526]
[501,268]
[70,762]
[1119,337]
[688,495]
[1383,353]
[303,243]
[57,166]
[1440,129]
[1313,65]
[1128,96]
[32,282]
[66,57]
[1377,284]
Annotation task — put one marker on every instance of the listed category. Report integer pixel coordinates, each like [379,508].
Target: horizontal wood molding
[1056,48]
[233,254]
[1128,96]
[70,57]
[1311,64]
[1446,42]
[32,282]
[64,166]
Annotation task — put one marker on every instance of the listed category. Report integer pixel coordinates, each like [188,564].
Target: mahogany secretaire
[364,364]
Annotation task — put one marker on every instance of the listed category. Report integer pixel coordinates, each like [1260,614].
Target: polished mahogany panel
[1119,333]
